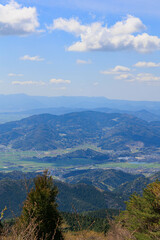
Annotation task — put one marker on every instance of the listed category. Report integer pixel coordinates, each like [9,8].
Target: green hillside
[81,196]
[103,179]
[107,130]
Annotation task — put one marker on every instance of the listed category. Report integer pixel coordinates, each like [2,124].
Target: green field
[129,165]
[22,160]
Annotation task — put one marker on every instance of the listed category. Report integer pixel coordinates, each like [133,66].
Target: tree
[40,208]
[142,215]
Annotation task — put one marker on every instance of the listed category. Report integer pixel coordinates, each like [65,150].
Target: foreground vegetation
[41,220]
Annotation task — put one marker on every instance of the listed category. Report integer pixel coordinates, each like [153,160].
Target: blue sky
[80,48]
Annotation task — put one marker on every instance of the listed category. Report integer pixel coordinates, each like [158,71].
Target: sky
[80,48]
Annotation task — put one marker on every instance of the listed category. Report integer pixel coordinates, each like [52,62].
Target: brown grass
[116,232]
[84,235]
[21,232]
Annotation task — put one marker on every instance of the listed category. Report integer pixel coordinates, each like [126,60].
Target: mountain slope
[109,131]
[80,197]
[103,179]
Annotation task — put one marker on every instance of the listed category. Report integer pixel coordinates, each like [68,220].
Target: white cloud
[17,20]
[146,64]
[140,77]
[123,35]
[58,81]
[79,61]
[116,70]
[28,83]
[123,76]
[121,69]
[15,75]
[72,25]
[124,73]
[146,77]
[29,58]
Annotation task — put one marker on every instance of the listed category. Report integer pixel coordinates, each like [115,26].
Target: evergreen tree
[142,215]
[40,208]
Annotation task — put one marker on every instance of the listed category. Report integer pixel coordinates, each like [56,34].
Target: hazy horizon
[78,96]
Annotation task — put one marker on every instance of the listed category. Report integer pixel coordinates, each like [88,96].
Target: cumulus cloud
[29,58]
[126,74]
[79,61]
[28,83]
[59,81]
[125,34]
[147,64]
[116,70]
[17,20]
[123,76]
[15,75]
[147,78]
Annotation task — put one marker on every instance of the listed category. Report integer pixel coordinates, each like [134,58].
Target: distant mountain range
[107,130]
[14,116]
[22,102]
[19,106]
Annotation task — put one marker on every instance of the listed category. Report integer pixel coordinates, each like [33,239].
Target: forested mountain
[71,197]
[89,156]
[18,175]
[109,131]
[109,179]
[106,190]
[142,114]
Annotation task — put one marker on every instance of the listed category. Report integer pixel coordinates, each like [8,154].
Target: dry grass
[84,235]
[118,233]
[21,232]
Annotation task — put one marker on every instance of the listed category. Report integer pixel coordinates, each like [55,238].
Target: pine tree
[142,215]
[40,208]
